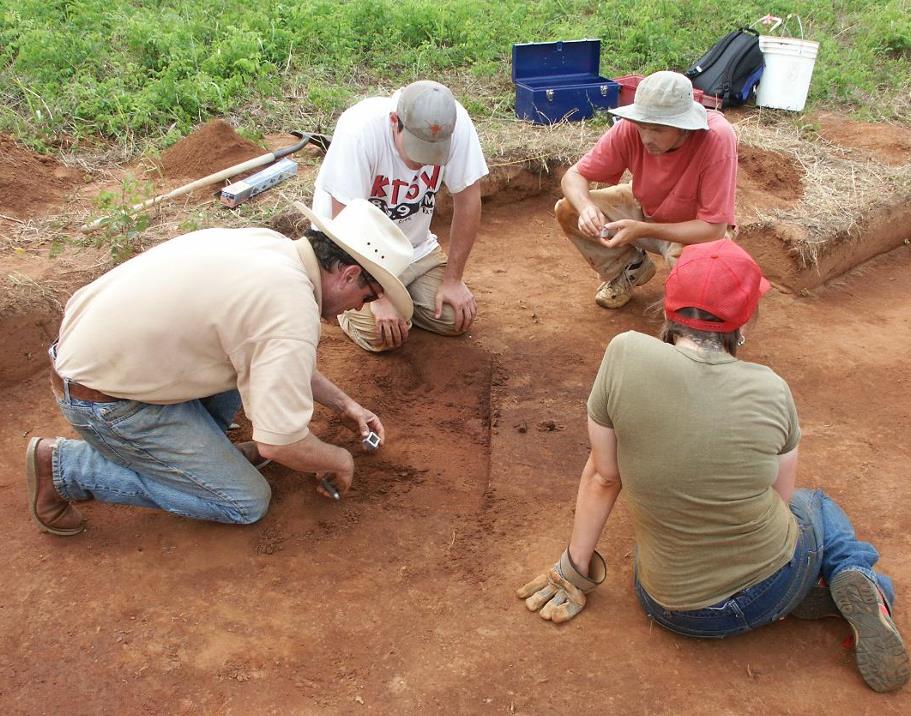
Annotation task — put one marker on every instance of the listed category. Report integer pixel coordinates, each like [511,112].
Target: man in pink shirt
[683,161]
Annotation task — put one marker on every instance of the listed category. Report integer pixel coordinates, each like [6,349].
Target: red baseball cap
[718,277]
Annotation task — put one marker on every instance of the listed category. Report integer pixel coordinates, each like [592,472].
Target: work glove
[560,592]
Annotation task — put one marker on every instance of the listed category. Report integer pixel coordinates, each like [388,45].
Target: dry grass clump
[512,141]
[841,185]
[84,257]
[22,293]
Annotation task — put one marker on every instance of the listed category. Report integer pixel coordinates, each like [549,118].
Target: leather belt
[77,391]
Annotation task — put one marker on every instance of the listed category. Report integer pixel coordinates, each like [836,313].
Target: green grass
[122,68]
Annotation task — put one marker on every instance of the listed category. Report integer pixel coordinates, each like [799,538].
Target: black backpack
[731,69]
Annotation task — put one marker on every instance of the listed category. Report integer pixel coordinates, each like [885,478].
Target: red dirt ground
[889,144]
[766,180]
[400,599]
[31,183]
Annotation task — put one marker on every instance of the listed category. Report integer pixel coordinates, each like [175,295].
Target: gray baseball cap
[428,113]
[665,98]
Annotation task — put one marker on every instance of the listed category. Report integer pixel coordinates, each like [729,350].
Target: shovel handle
[320,140]
[285,151]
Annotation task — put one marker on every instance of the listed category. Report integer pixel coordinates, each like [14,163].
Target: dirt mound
[507,184]
[781,247]
[31,182]
[766,180]
[211,148]
[772,172]
[885,142]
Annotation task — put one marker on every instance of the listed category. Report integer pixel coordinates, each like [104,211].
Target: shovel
[320,140]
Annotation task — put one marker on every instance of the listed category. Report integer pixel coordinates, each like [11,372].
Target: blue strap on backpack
[731,69]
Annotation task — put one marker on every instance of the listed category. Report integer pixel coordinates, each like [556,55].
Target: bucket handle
[776,22]
[769,20]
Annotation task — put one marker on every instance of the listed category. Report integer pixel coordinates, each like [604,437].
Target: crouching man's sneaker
[618,291]
[881,656]
[48,509]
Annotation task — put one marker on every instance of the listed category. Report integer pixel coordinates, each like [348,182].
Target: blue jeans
[825,546]
[172,457]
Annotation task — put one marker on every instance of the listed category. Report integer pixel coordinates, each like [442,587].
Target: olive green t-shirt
[698,440]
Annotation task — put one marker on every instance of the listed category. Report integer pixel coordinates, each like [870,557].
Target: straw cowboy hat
[375,242]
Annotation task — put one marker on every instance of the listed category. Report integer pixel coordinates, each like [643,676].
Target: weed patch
[118,68]
[121,229]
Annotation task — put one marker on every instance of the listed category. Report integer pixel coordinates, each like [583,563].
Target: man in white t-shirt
[397,152]
[155,357]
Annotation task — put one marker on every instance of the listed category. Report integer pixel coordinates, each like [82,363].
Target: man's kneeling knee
[252,507]
[444,325]
[567,217]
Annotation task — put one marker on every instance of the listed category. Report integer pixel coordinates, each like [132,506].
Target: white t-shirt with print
[363,163]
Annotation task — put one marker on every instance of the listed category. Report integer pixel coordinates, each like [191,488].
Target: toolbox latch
[549,94]
[604,89]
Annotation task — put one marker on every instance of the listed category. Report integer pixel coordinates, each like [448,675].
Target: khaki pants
[615,202]
[422,278]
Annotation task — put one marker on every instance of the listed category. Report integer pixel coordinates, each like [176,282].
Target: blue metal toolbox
[558,81]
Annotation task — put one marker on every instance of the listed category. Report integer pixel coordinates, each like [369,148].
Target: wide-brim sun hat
[373,240]
[665,98]
[427,111]
[718,277]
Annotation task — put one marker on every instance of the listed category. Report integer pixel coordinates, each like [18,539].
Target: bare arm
[592,220]
[694,231]
[787,475]
[599,487]
[327,393]
[354,415]
[466,220]
[313,455]
[337,206]
[577,191]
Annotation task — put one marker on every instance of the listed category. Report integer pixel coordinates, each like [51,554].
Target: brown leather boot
[250,451]
[48,509]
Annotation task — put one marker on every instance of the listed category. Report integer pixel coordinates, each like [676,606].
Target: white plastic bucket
[788,69]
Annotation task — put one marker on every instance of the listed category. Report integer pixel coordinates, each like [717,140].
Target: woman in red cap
[705,447]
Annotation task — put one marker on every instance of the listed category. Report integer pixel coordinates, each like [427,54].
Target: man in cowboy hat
[397,152]
[683,161]
[155,357]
